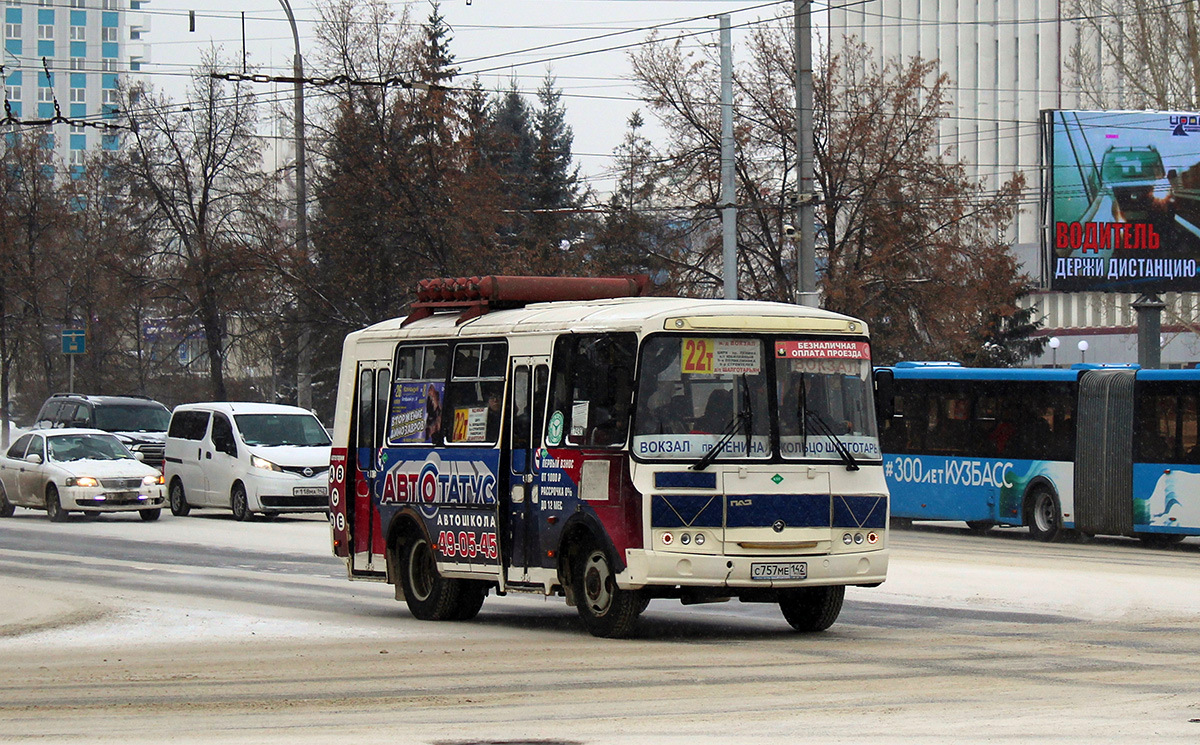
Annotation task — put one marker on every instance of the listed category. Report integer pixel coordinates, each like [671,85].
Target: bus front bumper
[647,568]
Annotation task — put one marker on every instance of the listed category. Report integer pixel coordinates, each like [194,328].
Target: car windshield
[64,448]
[282,429]
[701,393]
[1132,165]
[132,418]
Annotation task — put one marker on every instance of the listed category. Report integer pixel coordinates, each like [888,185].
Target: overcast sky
[494,38]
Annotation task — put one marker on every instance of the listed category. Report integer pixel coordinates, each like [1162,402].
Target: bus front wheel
[607,610]
[812,609]
[1044,516]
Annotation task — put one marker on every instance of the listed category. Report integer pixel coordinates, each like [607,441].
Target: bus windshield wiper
[823,428]
[730,430]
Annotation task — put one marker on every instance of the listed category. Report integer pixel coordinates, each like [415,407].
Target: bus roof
[953,371]
[640,314]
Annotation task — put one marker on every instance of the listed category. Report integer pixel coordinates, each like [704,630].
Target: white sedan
[72,470]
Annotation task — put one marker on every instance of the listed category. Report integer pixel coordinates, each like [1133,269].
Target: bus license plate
[793,570]
[308,491]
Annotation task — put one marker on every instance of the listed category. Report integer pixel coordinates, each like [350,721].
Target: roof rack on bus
[912,363]
[474,296]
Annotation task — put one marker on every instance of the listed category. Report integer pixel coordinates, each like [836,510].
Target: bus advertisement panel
[1123,196]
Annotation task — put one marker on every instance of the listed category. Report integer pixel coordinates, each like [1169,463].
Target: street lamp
[304,351]
[1083,347]
[1054,344]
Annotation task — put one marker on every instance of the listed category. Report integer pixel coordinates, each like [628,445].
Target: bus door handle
[208,456]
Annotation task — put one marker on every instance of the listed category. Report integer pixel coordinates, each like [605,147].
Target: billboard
[1122,198]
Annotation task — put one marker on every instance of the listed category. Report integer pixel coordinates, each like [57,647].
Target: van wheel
[812,609]
[179,503]
[240,505]
[7,508]
[1043,515]
[54,509]
[429,595]
[607,610]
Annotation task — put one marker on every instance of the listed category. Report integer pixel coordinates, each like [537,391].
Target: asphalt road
[203,629]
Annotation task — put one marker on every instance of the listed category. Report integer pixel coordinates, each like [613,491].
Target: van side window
[415,412]
[592,386]
[476,392]
[188,425]
[222,435]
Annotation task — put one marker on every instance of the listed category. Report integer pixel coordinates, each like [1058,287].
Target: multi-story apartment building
[1008,60]
[87,45]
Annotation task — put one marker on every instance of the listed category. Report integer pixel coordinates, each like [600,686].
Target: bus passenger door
[527,406]
[370,420]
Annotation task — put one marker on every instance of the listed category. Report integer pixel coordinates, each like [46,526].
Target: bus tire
[812,609]
[470,600]
[1159,540]
[429,595]
[179,503]
[1043,515]
[607,610]
[980,527]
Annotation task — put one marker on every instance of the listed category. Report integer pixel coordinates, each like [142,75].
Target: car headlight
[263,463]
[153,480]
[83,481]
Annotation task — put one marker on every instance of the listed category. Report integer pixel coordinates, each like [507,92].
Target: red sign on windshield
[823,350]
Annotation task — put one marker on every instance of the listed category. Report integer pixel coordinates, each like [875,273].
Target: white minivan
[247,457]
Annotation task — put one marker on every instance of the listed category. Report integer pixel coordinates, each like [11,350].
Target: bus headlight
[847,539]
[699,539]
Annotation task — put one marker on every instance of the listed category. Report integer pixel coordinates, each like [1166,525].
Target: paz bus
[1094,449]
[571,437]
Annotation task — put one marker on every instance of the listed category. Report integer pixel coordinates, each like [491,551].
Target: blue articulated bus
[1112,450]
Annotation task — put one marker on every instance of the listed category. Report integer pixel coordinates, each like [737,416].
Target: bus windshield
[697,393]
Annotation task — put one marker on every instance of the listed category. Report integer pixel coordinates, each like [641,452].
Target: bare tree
[907,241]
[1136,53]
[200,165]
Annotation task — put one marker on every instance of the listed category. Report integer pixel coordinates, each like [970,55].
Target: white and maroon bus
[568,436]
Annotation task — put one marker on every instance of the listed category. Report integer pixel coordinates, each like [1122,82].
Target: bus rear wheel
[812,609]
[429,595]
[607,610]
[1044,516]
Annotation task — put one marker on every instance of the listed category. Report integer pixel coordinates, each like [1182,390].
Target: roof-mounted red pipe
[474,296]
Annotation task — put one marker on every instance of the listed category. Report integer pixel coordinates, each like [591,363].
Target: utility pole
[728,187]
[303,341]
[806,259]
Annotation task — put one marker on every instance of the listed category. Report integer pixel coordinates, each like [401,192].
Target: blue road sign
[74,341]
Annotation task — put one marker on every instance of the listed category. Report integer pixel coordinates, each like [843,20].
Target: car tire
[240,504]
[54,509]
[179,503]
[150,515]
[7,508]
[812,609]
[607,610]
